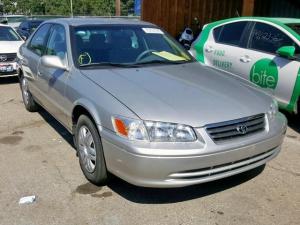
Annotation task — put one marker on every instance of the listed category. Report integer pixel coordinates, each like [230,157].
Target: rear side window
[269,39]
[38,41]
[231,33]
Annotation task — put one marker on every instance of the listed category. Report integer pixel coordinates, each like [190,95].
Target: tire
[28,100]
[90,152]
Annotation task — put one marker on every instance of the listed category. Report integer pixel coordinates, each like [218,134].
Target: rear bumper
[183,170]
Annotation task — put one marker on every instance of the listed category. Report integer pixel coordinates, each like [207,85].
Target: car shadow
[9,80]
[60,129]
[143,195]
[293,121]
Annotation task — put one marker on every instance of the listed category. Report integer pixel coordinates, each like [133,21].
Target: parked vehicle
[12,20]
[10,42]
[140,107]
[27,27]
[264,51]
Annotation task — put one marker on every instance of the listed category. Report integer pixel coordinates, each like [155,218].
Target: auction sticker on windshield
[152,30]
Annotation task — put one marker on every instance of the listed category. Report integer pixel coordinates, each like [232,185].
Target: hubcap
[25,92]
[87,149]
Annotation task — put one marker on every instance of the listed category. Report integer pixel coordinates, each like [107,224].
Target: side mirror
[53,61]
[286,51]
[24,37]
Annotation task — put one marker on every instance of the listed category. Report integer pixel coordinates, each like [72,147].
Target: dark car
[27,27]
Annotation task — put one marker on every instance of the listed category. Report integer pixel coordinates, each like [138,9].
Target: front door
[52,80]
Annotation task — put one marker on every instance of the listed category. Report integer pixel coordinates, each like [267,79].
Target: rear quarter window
[230,34]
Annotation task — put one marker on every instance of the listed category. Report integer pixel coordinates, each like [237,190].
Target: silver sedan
[140,107]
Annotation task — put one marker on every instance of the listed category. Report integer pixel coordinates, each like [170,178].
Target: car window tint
[57,42]
[217,32]
[38,41]
[269,39]
[230,33]
[8,34]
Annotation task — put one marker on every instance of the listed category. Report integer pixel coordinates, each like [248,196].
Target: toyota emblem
[3,58]
[242,129]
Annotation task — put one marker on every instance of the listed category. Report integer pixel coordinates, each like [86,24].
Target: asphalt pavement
[37,158]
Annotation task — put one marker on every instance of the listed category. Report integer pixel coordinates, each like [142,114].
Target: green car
[265,51]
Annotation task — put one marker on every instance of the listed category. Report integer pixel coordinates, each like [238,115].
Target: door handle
[209,49]
[245,59]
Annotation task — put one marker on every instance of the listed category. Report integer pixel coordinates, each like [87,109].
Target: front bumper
[183,164]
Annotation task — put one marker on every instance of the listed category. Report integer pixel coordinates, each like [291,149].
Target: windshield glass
[295,27]
[8,34]
[126,45]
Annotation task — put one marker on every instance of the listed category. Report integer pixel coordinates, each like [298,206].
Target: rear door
[224,46]
[32,54]
[264,67]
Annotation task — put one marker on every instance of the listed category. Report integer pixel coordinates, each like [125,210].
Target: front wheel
[90,151]
[28,100]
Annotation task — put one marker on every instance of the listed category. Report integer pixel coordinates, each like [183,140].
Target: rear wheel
[28,100]
[90,151]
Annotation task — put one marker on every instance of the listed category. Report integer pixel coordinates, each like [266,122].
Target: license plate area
[6,68]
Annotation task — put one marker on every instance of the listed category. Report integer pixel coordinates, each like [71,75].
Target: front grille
[7,57]
[236,128]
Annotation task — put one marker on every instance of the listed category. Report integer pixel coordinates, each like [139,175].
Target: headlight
[273,110]
[129,128]
[153,131]
[169,132]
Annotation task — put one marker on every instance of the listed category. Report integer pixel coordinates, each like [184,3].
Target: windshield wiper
[107,64]
[162,62]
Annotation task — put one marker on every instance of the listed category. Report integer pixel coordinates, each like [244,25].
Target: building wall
[277,8]
[175,15]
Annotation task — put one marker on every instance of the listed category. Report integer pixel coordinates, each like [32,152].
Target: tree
[62,7]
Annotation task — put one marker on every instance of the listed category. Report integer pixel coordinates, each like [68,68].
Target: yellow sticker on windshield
[84,58]
[169,56]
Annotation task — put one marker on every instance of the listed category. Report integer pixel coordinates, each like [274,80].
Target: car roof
[33,20]
[287,20]
[277,20]
[98,21]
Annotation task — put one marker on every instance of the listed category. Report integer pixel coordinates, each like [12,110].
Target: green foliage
[62,7]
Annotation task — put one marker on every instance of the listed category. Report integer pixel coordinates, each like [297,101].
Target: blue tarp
[137,7]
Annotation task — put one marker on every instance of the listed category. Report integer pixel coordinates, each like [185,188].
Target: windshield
[295,27]
[8,34]
[125,45]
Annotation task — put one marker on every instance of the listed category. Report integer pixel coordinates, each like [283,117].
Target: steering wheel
[143,54]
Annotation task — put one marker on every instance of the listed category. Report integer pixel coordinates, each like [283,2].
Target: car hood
[189,94]
[10,46]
